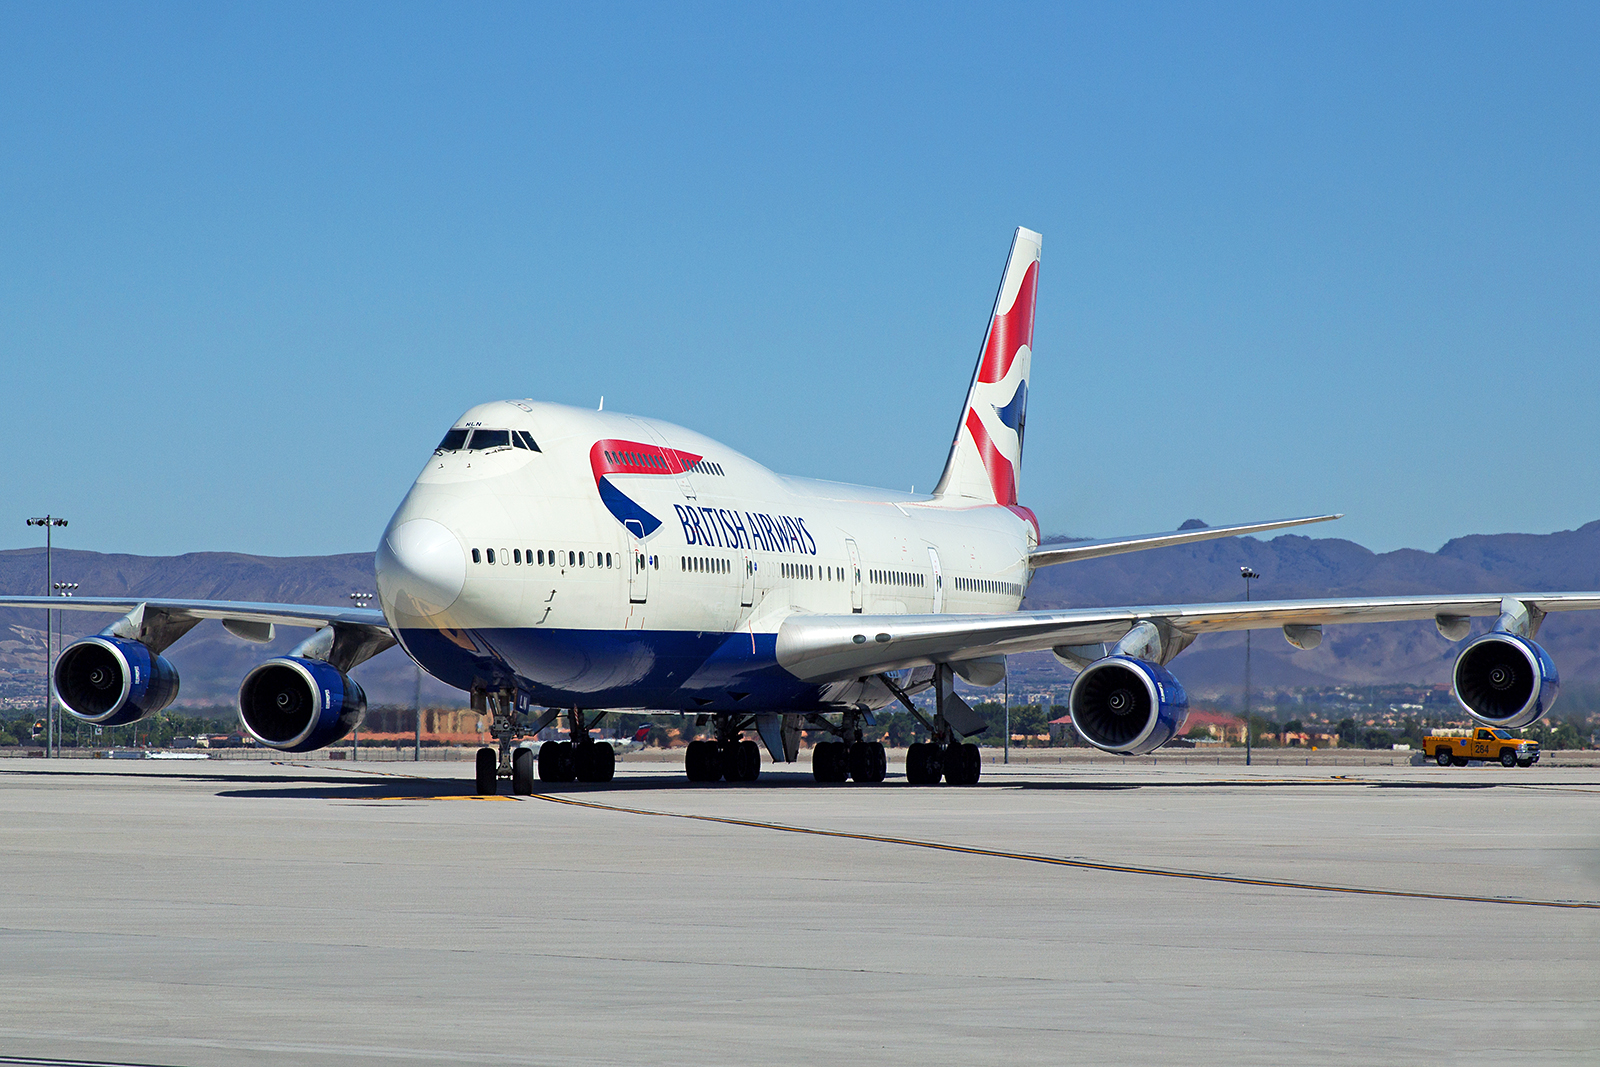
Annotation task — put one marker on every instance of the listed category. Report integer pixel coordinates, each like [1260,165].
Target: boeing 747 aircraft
[556,562]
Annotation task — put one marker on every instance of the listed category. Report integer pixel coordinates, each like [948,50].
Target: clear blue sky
[1297,257]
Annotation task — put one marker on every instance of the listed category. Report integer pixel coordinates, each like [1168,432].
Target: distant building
[1220,726]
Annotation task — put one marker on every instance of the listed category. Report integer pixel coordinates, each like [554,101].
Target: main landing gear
[557,761]
[957,764]
[579,758]
[945,755]
[850,757]
[729,757]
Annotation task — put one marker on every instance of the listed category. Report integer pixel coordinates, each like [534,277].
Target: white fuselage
[624,550]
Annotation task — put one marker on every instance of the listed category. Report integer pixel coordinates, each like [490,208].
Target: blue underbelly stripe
[669,669]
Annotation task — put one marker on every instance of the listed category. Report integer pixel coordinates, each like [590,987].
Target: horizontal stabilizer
[1050,555]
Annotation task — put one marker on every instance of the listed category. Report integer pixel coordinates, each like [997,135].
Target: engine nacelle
[1126,705]
[1505,680]
[114,681]
[296,705]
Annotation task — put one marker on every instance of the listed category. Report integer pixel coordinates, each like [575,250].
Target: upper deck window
[452,441]
[482,439]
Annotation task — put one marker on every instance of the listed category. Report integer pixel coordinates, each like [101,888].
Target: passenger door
[855,575]
[938,580]
[747,583]
[639,569]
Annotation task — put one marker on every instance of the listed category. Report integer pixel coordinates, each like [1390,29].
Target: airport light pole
[359,599]
[1246,573]
[49,522]
[62,589]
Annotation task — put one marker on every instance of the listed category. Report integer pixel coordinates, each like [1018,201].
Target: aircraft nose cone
[421,568]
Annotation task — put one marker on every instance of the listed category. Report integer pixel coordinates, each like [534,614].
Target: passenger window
[475,557]
[505,557]
[453,440]
[491,555]
[516,555]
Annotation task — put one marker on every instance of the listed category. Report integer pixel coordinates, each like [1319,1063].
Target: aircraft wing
[311,615]
[1050,555]
[824,648]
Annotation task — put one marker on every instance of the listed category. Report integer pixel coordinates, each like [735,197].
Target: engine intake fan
[1128,706]
[297,705]
[114,681]
[1505,680]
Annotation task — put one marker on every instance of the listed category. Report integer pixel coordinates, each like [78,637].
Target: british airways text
[725,528]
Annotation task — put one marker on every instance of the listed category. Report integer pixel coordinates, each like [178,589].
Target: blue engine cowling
[1128,706]
[114,681]
[1505,680]
[296,705]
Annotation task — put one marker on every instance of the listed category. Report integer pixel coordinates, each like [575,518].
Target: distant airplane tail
[641,733]
[985,459]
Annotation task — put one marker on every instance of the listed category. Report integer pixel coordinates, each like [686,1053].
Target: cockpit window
[452,441]
[482,439]
[523,439]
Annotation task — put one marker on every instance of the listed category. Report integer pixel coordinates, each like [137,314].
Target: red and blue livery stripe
[611,457]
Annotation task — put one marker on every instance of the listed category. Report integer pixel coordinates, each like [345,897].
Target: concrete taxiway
[223,912]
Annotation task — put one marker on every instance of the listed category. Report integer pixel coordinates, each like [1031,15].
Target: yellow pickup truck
[1456,747]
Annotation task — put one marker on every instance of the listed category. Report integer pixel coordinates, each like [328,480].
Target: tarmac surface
[222,912]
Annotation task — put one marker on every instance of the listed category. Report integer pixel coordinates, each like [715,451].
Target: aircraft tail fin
[641,733]
[985,460]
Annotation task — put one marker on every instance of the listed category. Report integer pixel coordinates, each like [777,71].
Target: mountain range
[211,661]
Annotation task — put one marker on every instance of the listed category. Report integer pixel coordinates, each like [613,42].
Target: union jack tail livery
[986,457]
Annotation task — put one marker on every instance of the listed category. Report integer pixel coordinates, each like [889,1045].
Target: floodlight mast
[360,600]
[49,522]
[1247,574]
[61,589]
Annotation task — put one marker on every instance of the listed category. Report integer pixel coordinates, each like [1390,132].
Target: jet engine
[1505,680]
[297,705]
[114,681]
[1126,705]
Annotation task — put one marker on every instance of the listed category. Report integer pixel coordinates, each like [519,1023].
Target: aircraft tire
[1442,757]
[868,761]
[555,761]
[963,764]
[839,762]
[826,760]
[521,772]
[596,761]
[488,772]
[919,766]
[741,761]
[702,762]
